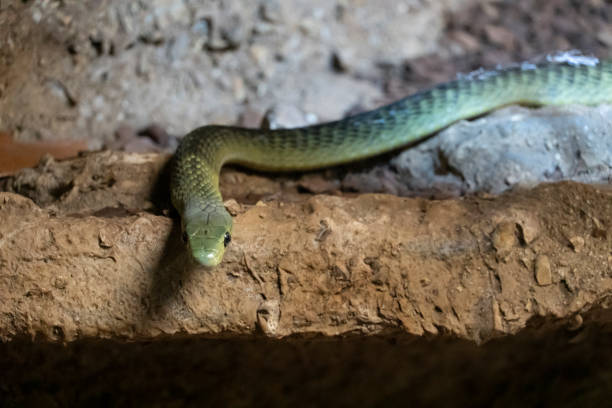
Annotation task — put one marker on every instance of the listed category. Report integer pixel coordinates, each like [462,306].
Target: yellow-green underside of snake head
[207,242]
[202,152]
[207,231]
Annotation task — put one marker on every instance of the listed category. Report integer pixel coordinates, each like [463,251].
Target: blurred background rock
[94,69]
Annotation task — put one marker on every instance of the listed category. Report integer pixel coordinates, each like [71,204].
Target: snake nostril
[184,237]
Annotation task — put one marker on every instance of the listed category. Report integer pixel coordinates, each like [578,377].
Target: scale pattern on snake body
[201,154]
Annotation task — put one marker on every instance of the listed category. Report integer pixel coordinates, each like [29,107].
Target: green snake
[206,224]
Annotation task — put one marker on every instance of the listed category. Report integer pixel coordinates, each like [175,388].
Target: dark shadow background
[538,368]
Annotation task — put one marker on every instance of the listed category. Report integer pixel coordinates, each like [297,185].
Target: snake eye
[226,239]
[184,237]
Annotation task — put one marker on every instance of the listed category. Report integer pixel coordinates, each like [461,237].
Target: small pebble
[104,240]
[60,283]
[157,133]
[232,206]
[543,272]
[504,238]
[271,10]
[530,229]
[577,243]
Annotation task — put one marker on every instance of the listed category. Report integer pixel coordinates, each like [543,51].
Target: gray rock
[513,146]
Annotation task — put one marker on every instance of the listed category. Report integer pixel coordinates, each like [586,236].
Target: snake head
[208,233]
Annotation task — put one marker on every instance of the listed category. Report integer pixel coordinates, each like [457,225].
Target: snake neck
[206,224]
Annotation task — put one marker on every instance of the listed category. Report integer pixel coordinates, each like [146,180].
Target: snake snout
[208,245]
[207,242]
[207,233]
[207,257]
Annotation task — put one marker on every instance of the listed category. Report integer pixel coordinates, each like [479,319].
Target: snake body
[198,160]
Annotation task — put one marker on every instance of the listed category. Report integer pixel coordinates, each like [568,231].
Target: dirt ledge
[475,268]
[368,300]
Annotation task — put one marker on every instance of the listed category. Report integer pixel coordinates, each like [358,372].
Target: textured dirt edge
[474,268]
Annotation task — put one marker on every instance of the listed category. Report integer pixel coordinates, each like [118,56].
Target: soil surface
[313,286]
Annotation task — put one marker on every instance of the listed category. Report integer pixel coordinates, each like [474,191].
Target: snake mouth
[207,257]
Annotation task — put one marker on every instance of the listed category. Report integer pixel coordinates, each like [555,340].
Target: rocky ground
[326,295]
[88,69]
